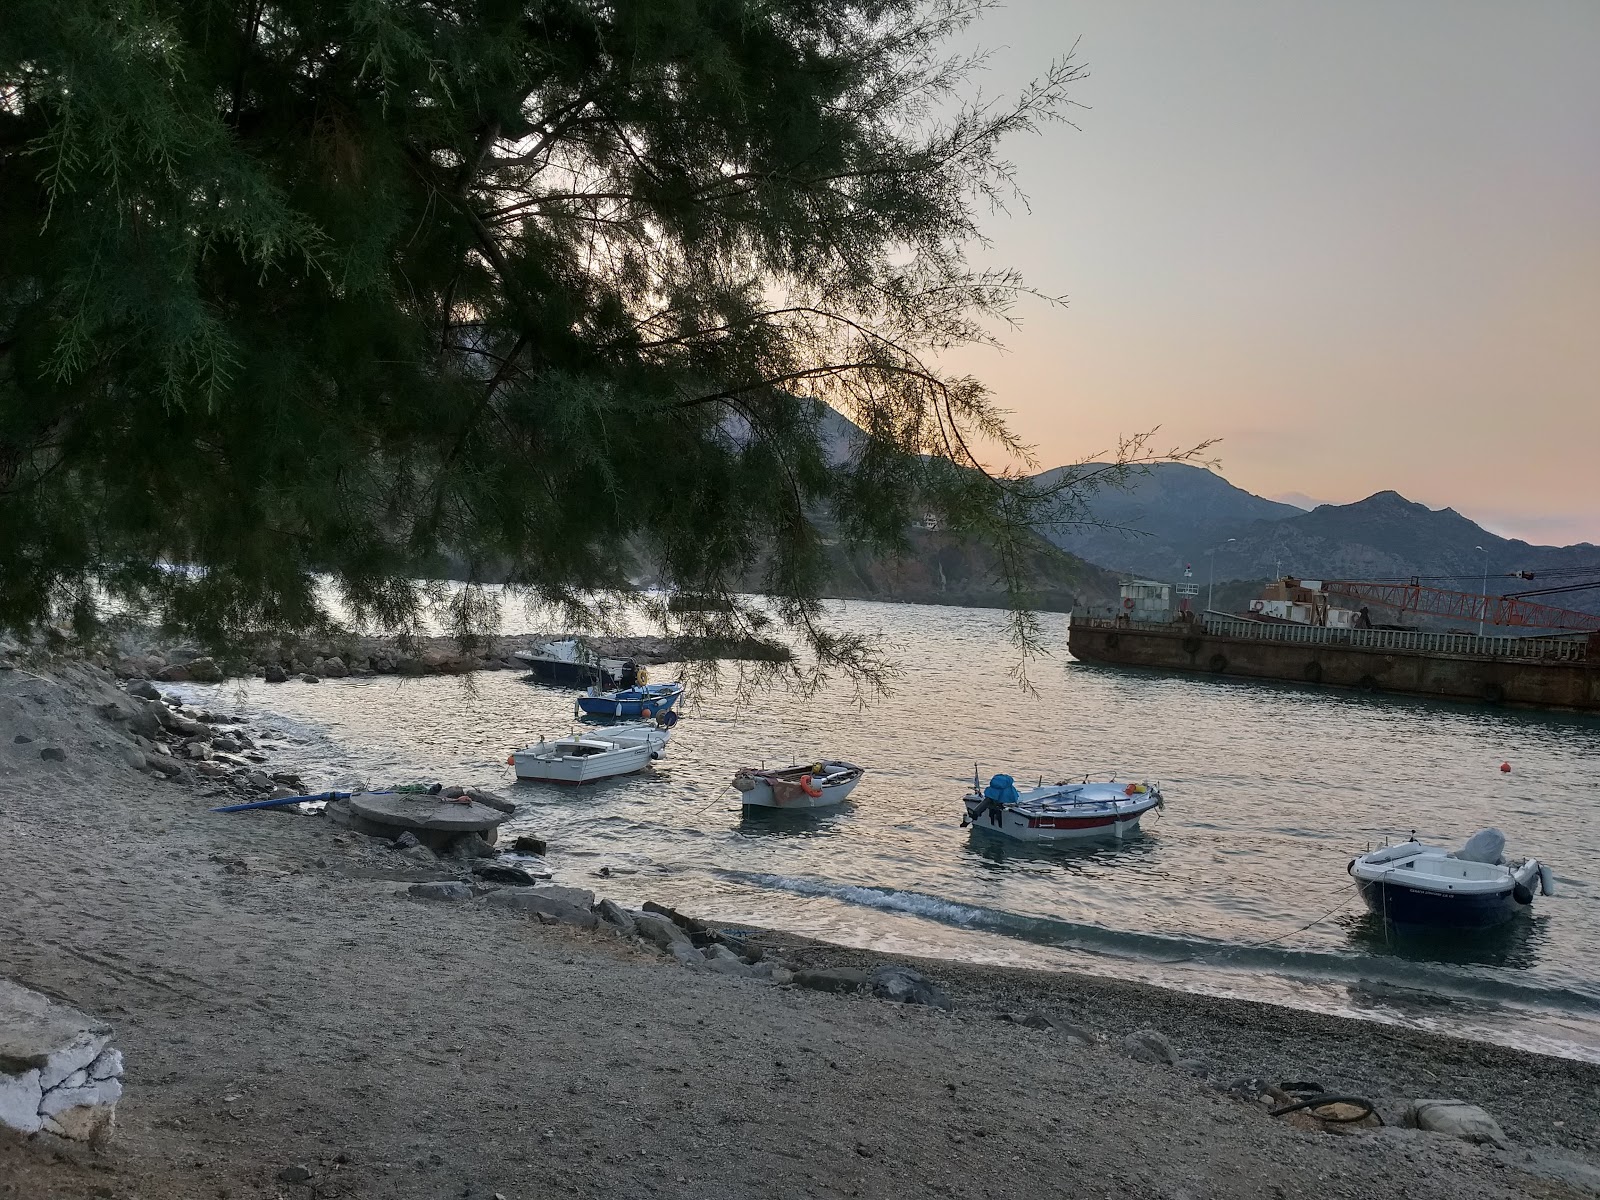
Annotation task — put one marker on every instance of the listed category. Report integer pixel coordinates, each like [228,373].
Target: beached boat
[1061,811]
[648,701]
[819,785]
[1471,888]
[571,663]
[581,758]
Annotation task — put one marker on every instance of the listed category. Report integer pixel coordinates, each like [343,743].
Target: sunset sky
[1358,242]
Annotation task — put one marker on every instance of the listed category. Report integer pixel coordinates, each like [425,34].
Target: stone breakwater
[58,1070]
[339,658]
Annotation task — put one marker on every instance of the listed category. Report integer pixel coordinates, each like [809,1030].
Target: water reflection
[759,821]
[1514,943]
[1076,856]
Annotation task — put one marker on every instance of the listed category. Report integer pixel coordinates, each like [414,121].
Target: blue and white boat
[649,701]
[1473,888]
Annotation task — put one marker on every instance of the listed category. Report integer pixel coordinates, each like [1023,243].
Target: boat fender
[669,718]
[744,783]
[1522,894]
[1350,867]
[511,760]
[809,788]
[1547,880]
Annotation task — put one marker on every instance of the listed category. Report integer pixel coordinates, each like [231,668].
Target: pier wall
[1556,683]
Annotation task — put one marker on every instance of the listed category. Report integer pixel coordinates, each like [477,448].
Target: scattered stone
[1200,1069]
[226,744]
[406,841]
[273,673]
[724,961]
[905,986]
[283,793]
[52,754]
[174,721]
[528,845]
[308,677]
[144,690]
[331,668]
[175,673]
[1148,1046]
[443,890]
[259,780]
[108,1063]
[134,757]
[832,979]
[452,792]
[1079,1035]
[200,751]
[22,739]
[1456,1118]
[212,770]
[288,779]
[295,1174]
[1032,1020]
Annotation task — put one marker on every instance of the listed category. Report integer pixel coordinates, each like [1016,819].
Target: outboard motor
[1485,846]
[629,675]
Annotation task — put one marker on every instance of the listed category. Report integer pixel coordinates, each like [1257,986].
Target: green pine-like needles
[342,289]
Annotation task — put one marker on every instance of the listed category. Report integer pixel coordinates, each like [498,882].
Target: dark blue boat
[649,701]
[1416,885]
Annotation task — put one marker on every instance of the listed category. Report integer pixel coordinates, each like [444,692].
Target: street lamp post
[1211,582]
[1483,603]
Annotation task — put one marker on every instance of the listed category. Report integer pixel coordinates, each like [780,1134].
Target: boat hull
[567,674]
[630,709]
[762,796]
[1055,827]
[1401,905]
[545,768]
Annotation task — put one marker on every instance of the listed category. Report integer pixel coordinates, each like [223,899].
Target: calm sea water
[1240,888]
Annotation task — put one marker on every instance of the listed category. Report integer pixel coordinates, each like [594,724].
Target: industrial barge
[1299,632]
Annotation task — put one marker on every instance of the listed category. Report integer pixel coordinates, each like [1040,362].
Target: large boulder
[449,889]
[615,915]
[905,986]
[273,673]
[204,670]
[1149,1046]
[661,933]
[1456,1118]
[560,904]
[143,689]
[832,979]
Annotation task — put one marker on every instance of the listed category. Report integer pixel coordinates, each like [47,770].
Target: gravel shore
[294,1026]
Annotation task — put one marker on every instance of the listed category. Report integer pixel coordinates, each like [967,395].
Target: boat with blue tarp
[648,701]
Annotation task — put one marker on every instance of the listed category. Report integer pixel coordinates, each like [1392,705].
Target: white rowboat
[581,758]
[820,785]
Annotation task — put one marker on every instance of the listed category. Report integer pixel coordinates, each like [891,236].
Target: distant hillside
[1167,516]
[1185,512]
[941,569]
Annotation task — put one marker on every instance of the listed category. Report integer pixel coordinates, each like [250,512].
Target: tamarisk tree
[328,290]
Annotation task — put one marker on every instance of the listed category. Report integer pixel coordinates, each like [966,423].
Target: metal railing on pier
[1541,649]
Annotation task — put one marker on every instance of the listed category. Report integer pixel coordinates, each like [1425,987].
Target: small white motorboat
[820,785]
[582,758]
[1470,888]
[654,734]
[1061,811]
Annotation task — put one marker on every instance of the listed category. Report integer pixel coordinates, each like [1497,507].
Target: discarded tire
[1192,644]
[1367,683]
[1112,641]
[1313,671]
[1219,663]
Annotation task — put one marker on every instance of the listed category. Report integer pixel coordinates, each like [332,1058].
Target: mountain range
[1174,515]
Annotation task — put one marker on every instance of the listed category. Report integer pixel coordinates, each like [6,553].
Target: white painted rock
[19,1101]
[1456,1118]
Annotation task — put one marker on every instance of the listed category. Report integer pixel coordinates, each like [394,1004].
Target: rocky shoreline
[312,1010]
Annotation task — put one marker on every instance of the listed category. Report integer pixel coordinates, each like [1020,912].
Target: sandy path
[293,1013]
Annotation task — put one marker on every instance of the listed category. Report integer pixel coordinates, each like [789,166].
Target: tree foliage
[294,289]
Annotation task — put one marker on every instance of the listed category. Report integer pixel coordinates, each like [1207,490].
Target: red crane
[1463,606]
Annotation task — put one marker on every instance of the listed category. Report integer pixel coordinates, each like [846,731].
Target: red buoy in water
[1505,768]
